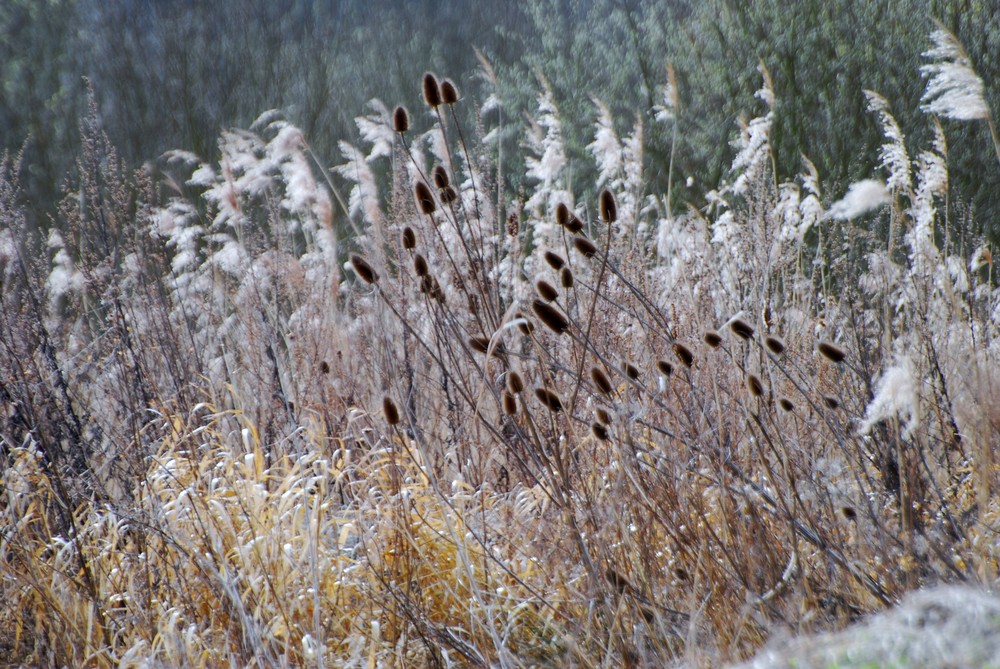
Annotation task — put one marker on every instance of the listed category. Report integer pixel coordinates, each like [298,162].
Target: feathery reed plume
[665,367]
[390,411]
[831,402]
[440,176]
[585,246]
[363,269]
[400,119]
[600,431]
[566,278]
[831,351]
[603,416]
[786,404]
[631,371]
[601,380]
[549,315]
[554,260]
[608,207]
[775,344]
[449,94]
[546,290]
[432,90]
[741,328]
[549,399]
[509,403]
[713,339]
[425,201]
[408,238]
[448,194]
[754,385]
[515,383]
[683,354]
[420,265]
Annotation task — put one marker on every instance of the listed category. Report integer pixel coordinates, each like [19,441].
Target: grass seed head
[786,404]
[831,351]
[515,383]
[525,326]
[562,214]
[713,339]
[449,194]
[631,371]
[566,277]
[479,344]
[363,269]
[754,385]
[549,315]
[741,328]
[831,402]
[600,431]
[665,368]
[432,90]
[440,176]
[603,416]
[420,265]
[509,403]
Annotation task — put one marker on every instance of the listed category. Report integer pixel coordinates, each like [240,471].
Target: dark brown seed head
[684,354]
[831,351]
[390,411]
[786,404]
[601,380]
[549,315]
[681,574]
[363,269]
[514,382]
[435,290]
[546,290]
[425,201]
[603,416]
[831,402]
[754,385]
[713,339]
[665,367]
[849,513]
[566,277]
[449,94]
[609,210]
[562,214]
[440,176]
[479,344]
[400,119]
[525,326]
[775,345]
[324,367]
[549,399]
[585,246]
[420,265]
[509,403]
[513,224]
[575,225]
[554,260]
[741,328]
[408,238]
[448,194]
[432,90]
[600,431]
[631,371]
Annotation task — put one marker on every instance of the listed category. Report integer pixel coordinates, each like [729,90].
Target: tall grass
[485,430]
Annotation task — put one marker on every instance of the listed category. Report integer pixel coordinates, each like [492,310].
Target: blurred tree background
[171,73]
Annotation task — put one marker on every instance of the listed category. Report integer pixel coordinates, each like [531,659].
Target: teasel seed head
[546,290]
[515,383]
[363,269]
[390,411]
[408,238]
[786,404]
[425,200]
[603,416]
[432,90]
[775,344]
[549,315]
[601,380]
[608,207]
[754,385]
[420,265]
[324,367]
[831,351]
[665,368]
[631,371]
[831,402]
[400,119]
[449,194]
[741,328]
[566,277]
[509,403]
[575,225]
[554,260]
[525,326]
[549,399]
[849,513]
[683,354]
[440,176]
[449,94]
[601,431]
[562,214]
[585,246]
[713,339]
[479,344]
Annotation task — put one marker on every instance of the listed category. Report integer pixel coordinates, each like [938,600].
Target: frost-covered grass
[483,429]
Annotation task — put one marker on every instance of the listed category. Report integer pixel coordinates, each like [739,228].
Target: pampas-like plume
[549,315]
[713,339]
[585,246]
[449,94]
[684,354]
[440,176]
[741,328]
[754,385]
[363,269]
[775,344]
[549,399]
[425,201]
[608,207]
[601,380]
[408,238]
[390,411]
[546,290]
[400,119]
[432,90]
[554,260]
[831,351]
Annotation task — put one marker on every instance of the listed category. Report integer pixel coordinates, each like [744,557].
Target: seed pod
[546,290]
[683,354]
[509,403]
[600,431]
[549,399]
[324,367]
[585,246]
[432,90]
[713,339]
[408,238]
[562,214]
[514,382]
[479,344]
[448,194]
[608,208]
[849,513]
[775,345]
[786,404]
[741,328]
[390,411]
[400,119]
[363,269]
[574,225]
[665,368]
[420,265]
[435,290]
[449,94]
[554,260]
[513,224]
[631,371]
[440,176]
[425,201]
[525,326]
[566,278]
[601,380]
[831,402]
[831,351]
[603,416]
[550,316]
[754,385]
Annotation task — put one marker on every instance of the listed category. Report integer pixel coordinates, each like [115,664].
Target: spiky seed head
[525,326]
[449,194]
[479,344]
[601,380]
[683,354]
[425,200]
[603,416]
[608,207]
[432,90]
[849,513]
[408,238]
[575,225]
[420,265]
[509,404]
[631,371]
[754,385]
[741,328]
[775,344]
[554,260]
[390,411]
[566,278]
[546,290]
[786,404]
[831,402]
[562,214]
[435,290]
[831,351]
[449,94]
[549,315]
[324,367]
[713,339]
[600,431]
[363,269]
[400,119]
[585,246]
[440,176]
[665,367]
[549,399]
[681,574]
[515,383]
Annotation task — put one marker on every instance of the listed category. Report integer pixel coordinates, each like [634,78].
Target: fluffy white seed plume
[895,158]
[896,396]
[862,196]
[954,90]
[754,143]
